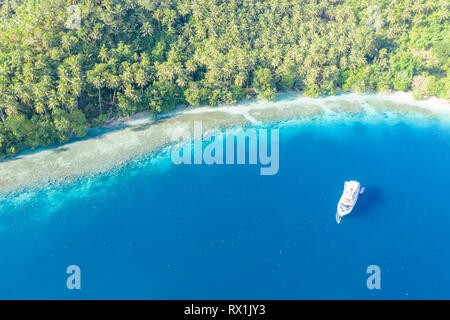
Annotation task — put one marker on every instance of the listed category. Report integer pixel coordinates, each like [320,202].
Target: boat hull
[345,207]
[340,214]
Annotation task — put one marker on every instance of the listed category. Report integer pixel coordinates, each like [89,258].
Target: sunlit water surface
[154,230]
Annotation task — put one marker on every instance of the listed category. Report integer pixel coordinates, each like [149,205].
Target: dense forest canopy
[66,65]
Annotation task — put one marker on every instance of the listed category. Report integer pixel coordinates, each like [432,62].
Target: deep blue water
[154,230]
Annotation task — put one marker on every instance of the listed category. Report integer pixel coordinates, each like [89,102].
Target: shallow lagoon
[150,229]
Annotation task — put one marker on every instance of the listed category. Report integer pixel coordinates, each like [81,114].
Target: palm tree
[66,42]
[141,79]
[131,93]
[158,16]
[127,74]
[147,29]
[103,54]
[182,80]
[39,108]
[12,108]
[2,116]
[187,30]
[112,82]
[98,83]
[53,100]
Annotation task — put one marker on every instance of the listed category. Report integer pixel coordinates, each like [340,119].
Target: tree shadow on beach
[60,150]
[142,127]
[11,158]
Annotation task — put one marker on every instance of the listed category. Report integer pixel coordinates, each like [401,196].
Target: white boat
[348,199]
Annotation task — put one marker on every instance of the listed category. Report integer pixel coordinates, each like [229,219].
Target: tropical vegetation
[66,65]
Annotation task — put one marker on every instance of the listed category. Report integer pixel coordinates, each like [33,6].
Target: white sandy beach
[436,105]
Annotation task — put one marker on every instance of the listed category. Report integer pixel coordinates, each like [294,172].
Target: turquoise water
[154,230]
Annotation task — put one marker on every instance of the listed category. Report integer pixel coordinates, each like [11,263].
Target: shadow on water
[369,200]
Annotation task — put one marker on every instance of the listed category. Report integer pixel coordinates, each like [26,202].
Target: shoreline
[433,104]
[141,134]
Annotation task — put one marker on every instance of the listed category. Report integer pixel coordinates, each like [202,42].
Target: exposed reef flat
[142,134]
[286,112]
